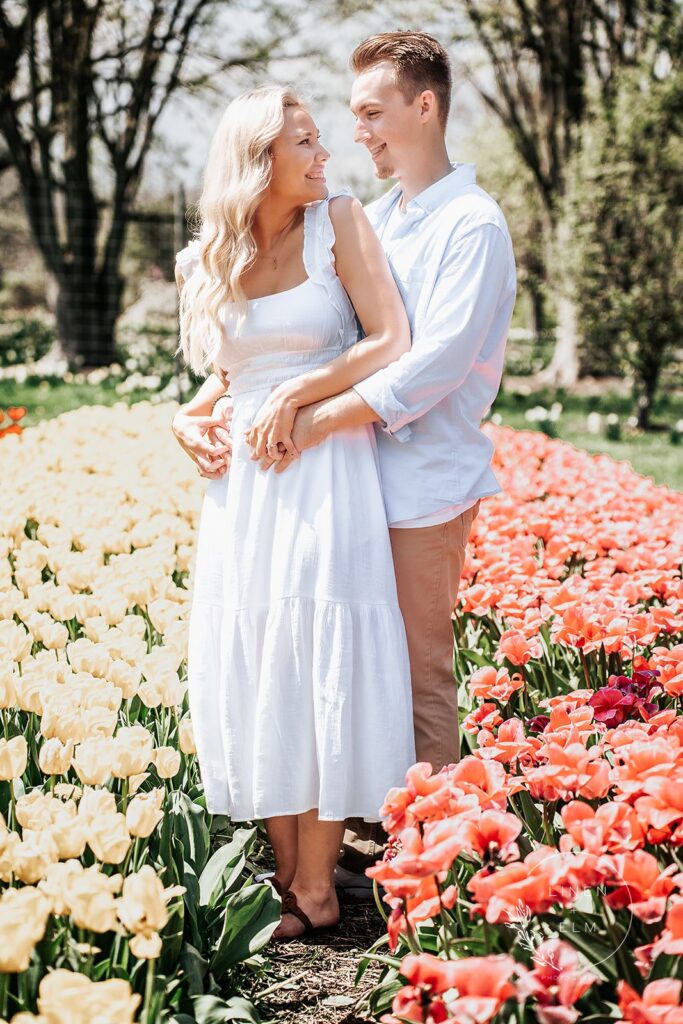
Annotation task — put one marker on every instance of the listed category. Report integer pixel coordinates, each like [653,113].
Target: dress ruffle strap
[187,260]
[319,239]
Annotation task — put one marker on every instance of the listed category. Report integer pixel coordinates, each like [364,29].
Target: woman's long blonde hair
[238,172]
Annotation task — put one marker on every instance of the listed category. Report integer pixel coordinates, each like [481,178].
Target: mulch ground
[312,980]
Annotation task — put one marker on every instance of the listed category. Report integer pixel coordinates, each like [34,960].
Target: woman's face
[298,159]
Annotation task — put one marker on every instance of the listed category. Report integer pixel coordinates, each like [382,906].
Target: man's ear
[428,106]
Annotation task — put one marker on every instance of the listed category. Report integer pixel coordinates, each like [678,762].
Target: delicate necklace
[272,253]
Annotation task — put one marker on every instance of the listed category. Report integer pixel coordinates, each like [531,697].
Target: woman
[298,668]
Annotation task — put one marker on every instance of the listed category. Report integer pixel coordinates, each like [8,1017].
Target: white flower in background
[537,414]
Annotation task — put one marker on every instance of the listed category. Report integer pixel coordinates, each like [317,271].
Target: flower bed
[111,907]
[540,879]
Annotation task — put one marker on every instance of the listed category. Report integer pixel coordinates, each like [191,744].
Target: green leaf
[225,866]
[190,825]
[191,898]
[600,956]
[194,967]
[663,967]
[475,658]
[213,1010]
[251,917]
[382,996]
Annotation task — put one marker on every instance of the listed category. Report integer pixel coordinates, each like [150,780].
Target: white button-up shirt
[453,263]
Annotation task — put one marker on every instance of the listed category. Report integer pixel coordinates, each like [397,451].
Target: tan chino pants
[428,562]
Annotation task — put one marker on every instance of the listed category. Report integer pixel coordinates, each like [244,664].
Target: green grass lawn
[51,397]
[650,454]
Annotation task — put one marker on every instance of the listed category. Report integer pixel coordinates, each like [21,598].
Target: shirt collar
[434,195]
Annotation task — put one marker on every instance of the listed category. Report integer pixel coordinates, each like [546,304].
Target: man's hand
[309,430]
[206,439]
[270,435]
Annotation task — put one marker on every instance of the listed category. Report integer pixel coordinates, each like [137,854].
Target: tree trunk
[563,369]
[537,310]
[87,311]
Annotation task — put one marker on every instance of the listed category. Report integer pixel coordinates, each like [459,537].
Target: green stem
[378,902]
[149,990]
[445,923]
[22,984]
[4,984]
[13,805]
[586,674]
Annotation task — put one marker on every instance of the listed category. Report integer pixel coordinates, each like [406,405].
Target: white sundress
[299,682]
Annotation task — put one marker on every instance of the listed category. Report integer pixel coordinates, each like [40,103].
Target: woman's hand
[206,439]
[270,436]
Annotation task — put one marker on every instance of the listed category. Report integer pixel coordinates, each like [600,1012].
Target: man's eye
[304,142]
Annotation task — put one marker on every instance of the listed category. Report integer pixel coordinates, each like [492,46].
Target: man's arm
[456,323]
[314,423]
[462,306]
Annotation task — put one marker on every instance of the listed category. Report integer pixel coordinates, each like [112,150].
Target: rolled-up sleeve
[469,288]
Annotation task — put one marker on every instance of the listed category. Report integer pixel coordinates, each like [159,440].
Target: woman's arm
[201,426]
[363,269]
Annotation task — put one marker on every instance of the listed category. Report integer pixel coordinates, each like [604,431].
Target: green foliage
[24,340]
[628,257]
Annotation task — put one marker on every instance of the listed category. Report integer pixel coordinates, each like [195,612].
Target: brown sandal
[272,881]
[291,906]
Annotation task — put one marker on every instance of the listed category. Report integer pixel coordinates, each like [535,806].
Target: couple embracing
[354,353]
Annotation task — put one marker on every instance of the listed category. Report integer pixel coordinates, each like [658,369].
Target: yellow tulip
[108,838]
[33,855]
[55,757]
[133,749]
[96,803]
[56,883]
[90,899]
[92,761]
[146,946]
[34,809]
[186,737]
[23,918]
[13,757]
[65,997]
[8,694]
[144,813]
[142,904]
[167,762]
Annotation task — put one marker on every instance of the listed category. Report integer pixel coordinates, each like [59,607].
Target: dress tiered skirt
[299,680]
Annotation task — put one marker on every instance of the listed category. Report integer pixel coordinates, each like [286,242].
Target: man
[451,255]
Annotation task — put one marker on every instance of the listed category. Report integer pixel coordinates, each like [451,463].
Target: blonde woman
[299,681]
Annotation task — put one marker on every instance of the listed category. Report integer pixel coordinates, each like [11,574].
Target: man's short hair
[420,62]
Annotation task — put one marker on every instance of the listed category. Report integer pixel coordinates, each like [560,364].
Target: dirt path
[315,977]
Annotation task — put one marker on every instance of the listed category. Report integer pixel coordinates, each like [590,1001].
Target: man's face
[386,124]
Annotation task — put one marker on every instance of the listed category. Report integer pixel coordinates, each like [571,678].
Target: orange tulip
[491,684]
[557,982]
[480,986]
[612,828]
[643,887]
[659,1003]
